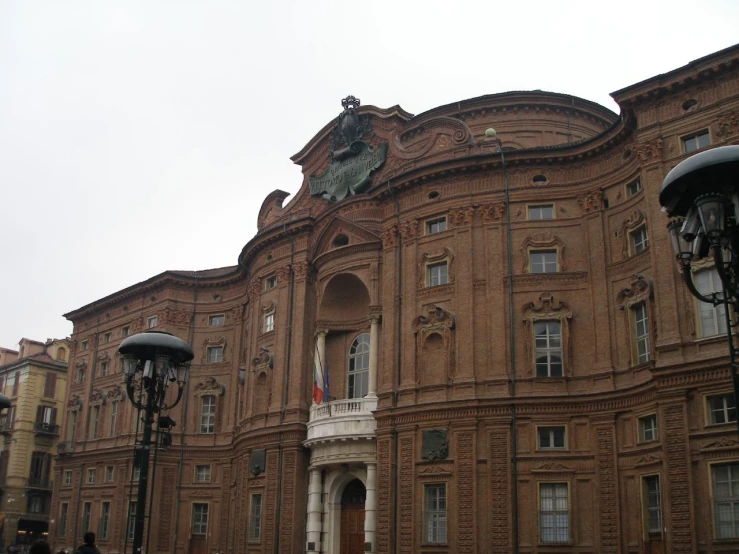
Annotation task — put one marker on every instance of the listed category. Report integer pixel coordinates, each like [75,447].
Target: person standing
[88,545]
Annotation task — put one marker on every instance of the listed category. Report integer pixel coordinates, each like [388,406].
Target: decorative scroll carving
[408,229]
[591,201]
[640,290]
[648,459]
[115,393]
[282,274]
[428,259]
[492,212]
[648,150]
[210,385]
[553,466]
[211,341]
[547,309]
[238,312]
[459,217]
[104,357]
[727,125]
[265,360]
[98,396]
[435,471]
[723,442]
[389,237]
[81,363]
[75,402]
[634,221]
[301,270]
[541,241]
[174,317]
[442,132]
[434,346]
[255,287]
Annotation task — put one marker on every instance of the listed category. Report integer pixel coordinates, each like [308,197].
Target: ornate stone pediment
[210,385]
[355,233]
[74,401]
[435,471]
[544,241]
[104,357]
[553,467]
[116,392]
[648,459]
[723,442]
[640,290]
[81,363]
[98,396]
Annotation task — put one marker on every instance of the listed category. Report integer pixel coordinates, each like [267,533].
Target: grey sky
[142,136]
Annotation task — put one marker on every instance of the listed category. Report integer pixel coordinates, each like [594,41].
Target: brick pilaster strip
[499,476]
[608,489]
[678,491]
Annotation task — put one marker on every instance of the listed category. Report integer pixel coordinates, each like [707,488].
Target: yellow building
[34,378]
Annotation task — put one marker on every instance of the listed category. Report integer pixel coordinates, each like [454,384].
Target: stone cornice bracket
[650,150]
[265,359]
[210,384]
[438,319]
[640,290]
[389,237]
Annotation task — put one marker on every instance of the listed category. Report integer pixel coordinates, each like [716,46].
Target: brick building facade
[511,354]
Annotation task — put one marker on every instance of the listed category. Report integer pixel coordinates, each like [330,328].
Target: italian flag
[318,384]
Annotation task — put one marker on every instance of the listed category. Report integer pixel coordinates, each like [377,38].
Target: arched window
[61,354]
[359,366]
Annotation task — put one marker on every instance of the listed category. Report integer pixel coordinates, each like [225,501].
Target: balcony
[65,448]
[41,428]
[342,420]
[39,483]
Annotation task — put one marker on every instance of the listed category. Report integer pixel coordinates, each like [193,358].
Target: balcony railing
[41,428]
[342,419]
[342,407]
[39,483]
[65,448]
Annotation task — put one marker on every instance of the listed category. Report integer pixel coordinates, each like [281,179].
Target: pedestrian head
[39,546]
[89,538]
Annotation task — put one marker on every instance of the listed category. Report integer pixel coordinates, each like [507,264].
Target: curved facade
[492,323]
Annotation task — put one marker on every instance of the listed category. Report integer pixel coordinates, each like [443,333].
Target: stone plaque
[350,175]
[435,446]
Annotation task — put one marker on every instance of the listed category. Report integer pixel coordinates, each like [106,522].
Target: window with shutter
[50,385]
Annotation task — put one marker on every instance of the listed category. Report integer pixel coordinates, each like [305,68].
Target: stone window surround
[428,259]
[547,309]
[540,428]
[640,291]
[543,241]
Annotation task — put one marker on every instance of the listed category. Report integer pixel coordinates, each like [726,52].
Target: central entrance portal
[352,518]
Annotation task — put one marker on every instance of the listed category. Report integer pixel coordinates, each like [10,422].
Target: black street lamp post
[151,361]
[701,195]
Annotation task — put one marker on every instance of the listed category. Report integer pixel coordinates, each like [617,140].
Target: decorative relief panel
[442,132]
[492,212]
[461,217]
[389,237]
[409,229]
[650,151]
[592,201]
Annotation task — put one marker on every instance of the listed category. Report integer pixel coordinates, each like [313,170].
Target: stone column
[320,354]
[370,508]
[314,512]
[373,355]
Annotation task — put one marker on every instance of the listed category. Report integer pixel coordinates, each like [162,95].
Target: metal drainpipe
[512,350]
[398,323]
[185,396]
[285,389]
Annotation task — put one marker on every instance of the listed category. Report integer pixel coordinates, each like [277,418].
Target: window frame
[131,520]
[727,399]
[125,331]
[104,520]
[104,365]
[545,263]
[435,519]
[541,512]
[647,509]
[84,345]
[214,354]
[210,424]
[435,226]
[531,207]
[643,336]
[61,529]
[86,514]
[638,245]
[109,476]
[202,525]
[685,139]
[733,466]
[206,475]
[216,320]
[548,350]
[152,322]
[106,337]
[703,309]
[642,429]
[362,340]
[95,420]
[67,473]
[633,188]
[113,421]
[254,531]
[270,282]
[551,429]
[268,322]
[91,476]
[438,278]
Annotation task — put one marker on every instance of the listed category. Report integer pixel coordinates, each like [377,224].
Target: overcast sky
[137,137]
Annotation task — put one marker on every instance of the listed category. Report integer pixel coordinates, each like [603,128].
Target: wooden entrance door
[352,518]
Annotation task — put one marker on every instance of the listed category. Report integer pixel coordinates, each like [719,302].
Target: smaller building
[34,378]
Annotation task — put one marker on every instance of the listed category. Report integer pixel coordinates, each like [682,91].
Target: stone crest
[352,159]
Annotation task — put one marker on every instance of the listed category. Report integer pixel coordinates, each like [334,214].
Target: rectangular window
[551,438]
[95,421]
[543,261]
[67,476]
[83,345]
[35,504]
[61,528]
[103,369]
[537,213]
[215,354]
[136,472]
[437,274]
[255,517]
[113,418]
[202,474]
[721,409]
[91,476]
[548,348]
[106,337]
[639,240]
[40,470]
[108,474]
[81,374]
[125,331]
[269,322]
[131,522]
[435,226]
[641,333]
[434,514]
[652,503]
[104,521]
[648,428]
[554,515]
[86,516]
[633,188]
[151,322]
[50,384]
[16,382]
[199,519]
[712,318]
[696,141]
[45,415]
[270,282]
[216,320]
[207,414]
[726,500]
